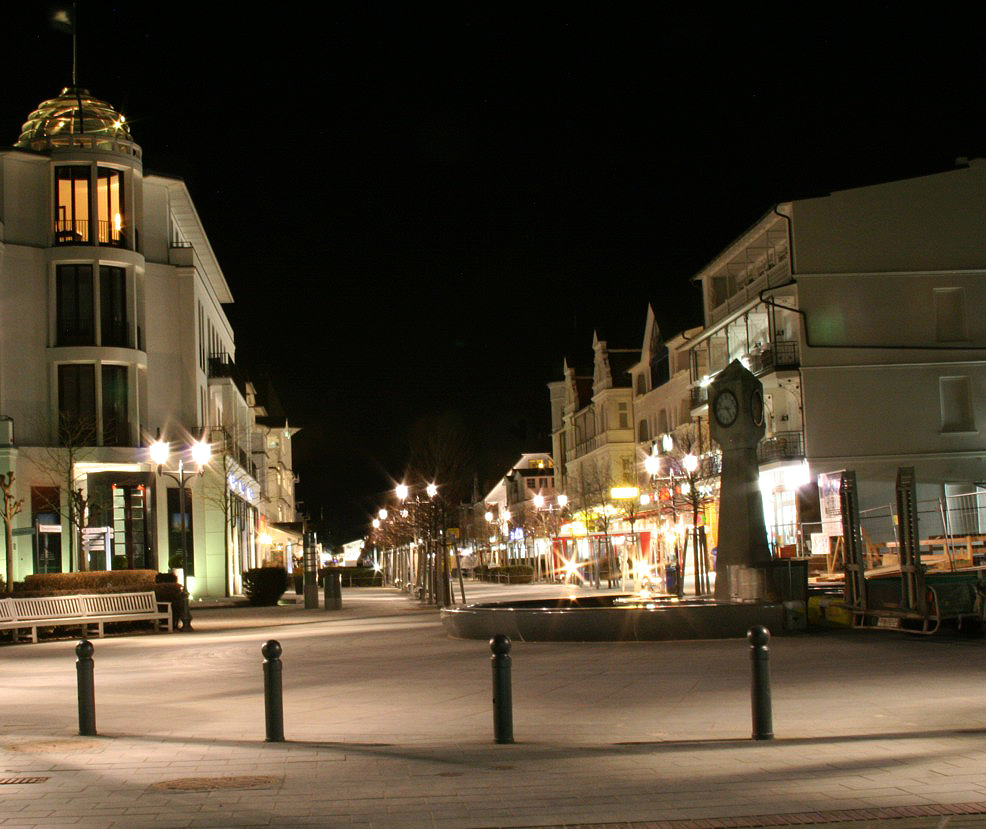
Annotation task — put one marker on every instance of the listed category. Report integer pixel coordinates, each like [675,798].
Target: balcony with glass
[87,215]
[764,338]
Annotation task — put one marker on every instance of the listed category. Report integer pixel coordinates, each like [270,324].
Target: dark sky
[422,208]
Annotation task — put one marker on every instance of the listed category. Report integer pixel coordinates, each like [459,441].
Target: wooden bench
[86,611]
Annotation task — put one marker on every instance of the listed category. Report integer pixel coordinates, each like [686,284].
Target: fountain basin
[625,618]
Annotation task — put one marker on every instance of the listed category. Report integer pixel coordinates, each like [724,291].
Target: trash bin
[333,590]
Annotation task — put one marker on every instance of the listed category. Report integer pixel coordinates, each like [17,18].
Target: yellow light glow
[621,493]
[158,452]
[201,452]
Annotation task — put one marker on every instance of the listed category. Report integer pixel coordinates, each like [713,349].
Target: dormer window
[75,206]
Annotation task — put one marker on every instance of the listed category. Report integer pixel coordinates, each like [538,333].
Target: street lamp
[201,452]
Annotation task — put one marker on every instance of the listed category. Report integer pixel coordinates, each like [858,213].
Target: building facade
[857,312]
[113,334]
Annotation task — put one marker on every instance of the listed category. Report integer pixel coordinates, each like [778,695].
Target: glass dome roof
[73,113]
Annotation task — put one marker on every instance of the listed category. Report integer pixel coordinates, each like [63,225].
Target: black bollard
[333,591]
[503,714]
[273,701]
[763,728]
[87,691]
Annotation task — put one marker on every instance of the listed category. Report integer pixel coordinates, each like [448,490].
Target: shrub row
[92,581]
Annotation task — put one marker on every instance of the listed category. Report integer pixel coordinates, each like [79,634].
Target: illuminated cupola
[76,119]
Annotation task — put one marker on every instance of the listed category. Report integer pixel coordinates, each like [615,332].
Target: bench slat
[93,609]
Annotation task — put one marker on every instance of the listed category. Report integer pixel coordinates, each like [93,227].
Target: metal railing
[781,446]
[76,232]
[775,355]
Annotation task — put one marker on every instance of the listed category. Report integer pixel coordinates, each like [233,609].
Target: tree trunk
[8,535]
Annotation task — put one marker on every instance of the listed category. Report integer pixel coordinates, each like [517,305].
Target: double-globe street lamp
[200,452]
[428,569]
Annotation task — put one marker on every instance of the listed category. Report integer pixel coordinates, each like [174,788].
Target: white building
[520,505]
[858,312]
[112,332]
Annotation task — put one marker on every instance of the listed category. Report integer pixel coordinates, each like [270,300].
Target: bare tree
[220,477]
[76,437]
[10,506]
[590,487]
[442,453]
[692,467]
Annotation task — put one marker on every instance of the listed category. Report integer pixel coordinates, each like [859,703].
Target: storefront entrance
[120,501]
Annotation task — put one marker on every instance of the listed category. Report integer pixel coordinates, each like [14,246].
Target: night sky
[421,209]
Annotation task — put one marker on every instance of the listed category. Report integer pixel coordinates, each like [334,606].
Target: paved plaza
[389,724]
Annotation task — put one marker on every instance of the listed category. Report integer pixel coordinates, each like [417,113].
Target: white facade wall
[887,281]
[174,293]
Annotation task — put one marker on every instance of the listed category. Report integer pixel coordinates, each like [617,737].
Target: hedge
[106,581]
[264,586]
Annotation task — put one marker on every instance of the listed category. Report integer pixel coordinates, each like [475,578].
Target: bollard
[333,591]
[273,701]
[763,728]
[87,692]
[503,715]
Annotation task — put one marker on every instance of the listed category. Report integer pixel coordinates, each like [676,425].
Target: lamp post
[201,452]
[424,516]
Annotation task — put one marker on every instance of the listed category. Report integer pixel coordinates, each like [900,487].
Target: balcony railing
[779,354]
[72,231]
[781,446]
[76,232]
[699,396]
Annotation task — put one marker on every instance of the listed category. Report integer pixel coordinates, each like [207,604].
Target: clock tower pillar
[736,422]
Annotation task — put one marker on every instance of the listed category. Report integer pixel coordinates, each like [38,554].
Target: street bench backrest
[106,604]
[6,610]
[48,607]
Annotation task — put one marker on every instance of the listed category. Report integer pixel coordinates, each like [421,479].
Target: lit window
[72,205]
[109,206]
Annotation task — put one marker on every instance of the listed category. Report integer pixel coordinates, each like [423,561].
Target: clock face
[756,408]
[726,408]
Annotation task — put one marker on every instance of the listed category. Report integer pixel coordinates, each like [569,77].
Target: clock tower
[736,422]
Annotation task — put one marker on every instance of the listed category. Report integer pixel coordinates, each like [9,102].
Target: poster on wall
[831,505]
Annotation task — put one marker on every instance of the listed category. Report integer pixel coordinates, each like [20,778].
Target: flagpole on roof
[74,43]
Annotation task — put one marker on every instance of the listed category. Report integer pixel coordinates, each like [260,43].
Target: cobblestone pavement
[389,724]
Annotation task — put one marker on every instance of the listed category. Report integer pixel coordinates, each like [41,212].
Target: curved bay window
[81,422]
[76,311]
[77,202]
